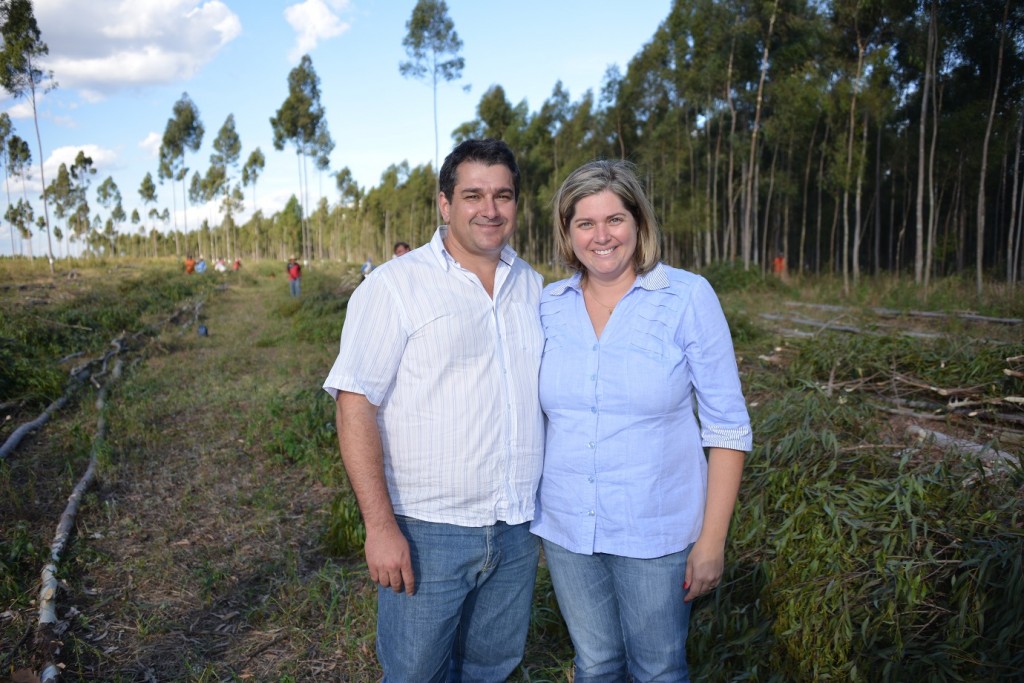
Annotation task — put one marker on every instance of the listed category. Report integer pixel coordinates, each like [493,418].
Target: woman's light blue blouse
[629,414]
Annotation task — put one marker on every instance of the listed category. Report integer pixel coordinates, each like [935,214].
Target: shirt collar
[656,278]
[445,259]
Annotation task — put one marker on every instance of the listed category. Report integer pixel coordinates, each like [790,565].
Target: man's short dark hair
[489,151]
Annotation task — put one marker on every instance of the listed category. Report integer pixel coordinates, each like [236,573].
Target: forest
[176,428]
[848,136]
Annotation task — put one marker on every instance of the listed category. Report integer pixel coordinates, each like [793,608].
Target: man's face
[481,213]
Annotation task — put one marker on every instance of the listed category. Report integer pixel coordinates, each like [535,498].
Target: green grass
[853,556]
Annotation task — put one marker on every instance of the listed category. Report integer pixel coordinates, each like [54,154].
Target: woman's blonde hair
[618,177]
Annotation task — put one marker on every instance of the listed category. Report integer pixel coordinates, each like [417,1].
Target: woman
[632,514]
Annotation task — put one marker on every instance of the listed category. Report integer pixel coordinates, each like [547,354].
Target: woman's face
[603,234]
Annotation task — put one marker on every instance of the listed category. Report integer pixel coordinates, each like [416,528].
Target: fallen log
[896,313]
[48,633]
[993,461]
[23,430]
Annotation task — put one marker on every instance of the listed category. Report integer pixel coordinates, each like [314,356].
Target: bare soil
[197,555]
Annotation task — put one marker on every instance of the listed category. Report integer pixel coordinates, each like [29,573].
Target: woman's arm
[706,562]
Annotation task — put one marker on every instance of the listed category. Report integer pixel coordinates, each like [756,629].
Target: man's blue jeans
[469,616]
[624,614]
[295,286]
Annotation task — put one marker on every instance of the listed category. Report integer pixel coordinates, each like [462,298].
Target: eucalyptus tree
[299,121]
[19,161]
[251,172]
[321,148]
[227,148]
[184,132]
[6,129]
[20,215]
[148,194]
[82,171]
[109,196]
[197,196]
[22,47]
[61,193]
[980,254]
[432,46]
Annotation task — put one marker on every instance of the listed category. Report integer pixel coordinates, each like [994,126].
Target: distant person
[201,265]
[441,433]
[294,276]
[220,266]
[237,264]
[190,264]
[402,248]
[632,513]
[779,265]
[367,268]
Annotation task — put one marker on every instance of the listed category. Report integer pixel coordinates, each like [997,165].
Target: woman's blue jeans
[625,615]
[468,619]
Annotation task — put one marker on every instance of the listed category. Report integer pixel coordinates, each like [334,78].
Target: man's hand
[387,550]
[388,559]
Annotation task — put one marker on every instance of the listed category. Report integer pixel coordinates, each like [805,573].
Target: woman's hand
[704,568]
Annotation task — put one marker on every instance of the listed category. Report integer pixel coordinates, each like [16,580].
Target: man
[441,432]
[294,276]
[401,248]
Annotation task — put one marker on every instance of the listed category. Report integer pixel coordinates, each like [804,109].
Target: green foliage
[863,564]
[731,276]
[950,361]
[345,535]
[35,336]
[301,427]
[18,556]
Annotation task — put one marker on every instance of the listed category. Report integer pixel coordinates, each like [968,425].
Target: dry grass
[202,554]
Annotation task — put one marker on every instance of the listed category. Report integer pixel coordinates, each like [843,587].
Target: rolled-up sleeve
[721,409]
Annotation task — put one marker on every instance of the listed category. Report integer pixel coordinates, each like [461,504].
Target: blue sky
[122,64]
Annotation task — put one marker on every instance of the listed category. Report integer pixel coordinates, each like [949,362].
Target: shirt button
[593,378]
[590,445]
[593,409]
[590,479]
[595,347]
[591,513]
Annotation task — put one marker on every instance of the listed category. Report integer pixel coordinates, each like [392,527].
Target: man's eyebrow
[479,190]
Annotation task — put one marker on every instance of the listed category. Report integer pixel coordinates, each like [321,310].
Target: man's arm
[387,550]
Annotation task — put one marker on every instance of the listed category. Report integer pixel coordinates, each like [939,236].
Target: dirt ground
[197,556]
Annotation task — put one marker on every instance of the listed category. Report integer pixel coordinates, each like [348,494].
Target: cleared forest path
[199,554]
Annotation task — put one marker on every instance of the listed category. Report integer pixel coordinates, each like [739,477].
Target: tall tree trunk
[42,175]
[858,219]
[877,242]
[935,101]
[851,135]
[980,257]
[929,63]
[1012,234]
[748,224]
[730,222]
[818,216]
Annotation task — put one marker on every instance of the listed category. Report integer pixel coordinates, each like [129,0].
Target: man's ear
[443,206]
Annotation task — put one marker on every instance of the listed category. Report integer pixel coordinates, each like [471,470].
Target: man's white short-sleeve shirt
[454,374]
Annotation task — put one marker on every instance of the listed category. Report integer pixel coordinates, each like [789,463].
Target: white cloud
[313,21]
[151,143]
[101,46]
[103,159]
